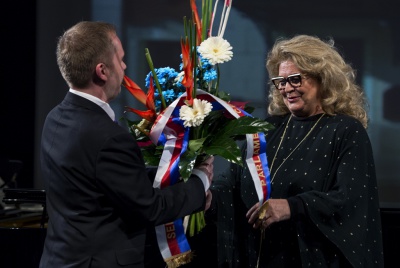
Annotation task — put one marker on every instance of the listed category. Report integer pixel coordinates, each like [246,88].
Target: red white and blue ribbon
[168,130]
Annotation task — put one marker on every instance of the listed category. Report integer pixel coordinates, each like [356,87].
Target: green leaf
[213,120]
[195,145]
[212,117]
[226,148]
[224,96]
[249,109]
[244,125]
[186,163]
[152,155]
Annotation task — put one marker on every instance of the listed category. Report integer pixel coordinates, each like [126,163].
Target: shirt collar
[104,105]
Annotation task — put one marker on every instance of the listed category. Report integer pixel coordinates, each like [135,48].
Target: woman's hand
[275,210]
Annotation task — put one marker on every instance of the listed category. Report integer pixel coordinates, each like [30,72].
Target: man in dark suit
[100,198]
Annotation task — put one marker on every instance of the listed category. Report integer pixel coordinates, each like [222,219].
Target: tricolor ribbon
[169,131]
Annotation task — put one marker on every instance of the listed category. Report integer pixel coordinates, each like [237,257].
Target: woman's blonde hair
[320,60]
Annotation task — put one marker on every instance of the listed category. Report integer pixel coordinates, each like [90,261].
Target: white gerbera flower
[194,116]
[216,50]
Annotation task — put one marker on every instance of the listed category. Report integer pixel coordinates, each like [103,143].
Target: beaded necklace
[280,143]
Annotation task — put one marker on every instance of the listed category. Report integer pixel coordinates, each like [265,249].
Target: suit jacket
[100,199]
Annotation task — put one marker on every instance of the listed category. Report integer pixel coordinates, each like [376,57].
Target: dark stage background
[367,33]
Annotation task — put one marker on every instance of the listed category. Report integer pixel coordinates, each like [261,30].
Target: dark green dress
[330,183]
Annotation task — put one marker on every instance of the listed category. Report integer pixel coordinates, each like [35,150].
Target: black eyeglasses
[280,82]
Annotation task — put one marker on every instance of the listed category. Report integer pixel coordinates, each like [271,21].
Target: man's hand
[207,167]
[208,199]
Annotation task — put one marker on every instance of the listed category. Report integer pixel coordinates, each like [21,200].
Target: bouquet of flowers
[188,119]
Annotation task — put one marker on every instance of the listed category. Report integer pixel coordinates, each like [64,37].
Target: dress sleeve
[296,206]
[346,211]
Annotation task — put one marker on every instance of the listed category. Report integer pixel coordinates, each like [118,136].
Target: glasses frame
[286,80]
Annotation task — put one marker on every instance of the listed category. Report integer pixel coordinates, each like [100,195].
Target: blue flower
[210,75]
[165,76]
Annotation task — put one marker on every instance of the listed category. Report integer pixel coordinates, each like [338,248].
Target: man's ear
[101,71]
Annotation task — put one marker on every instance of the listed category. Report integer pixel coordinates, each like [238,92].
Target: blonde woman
[323,209]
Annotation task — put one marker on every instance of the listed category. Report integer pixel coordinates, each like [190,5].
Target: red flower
[148,100]
[187,62]
[197,21]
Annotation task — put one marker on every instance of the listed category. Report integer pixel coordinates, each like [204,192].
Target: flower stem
[196,223]
[194,58]
[206,18]
[150,62]
[196,133]
[217,83]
